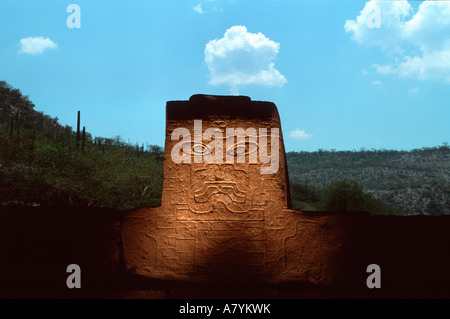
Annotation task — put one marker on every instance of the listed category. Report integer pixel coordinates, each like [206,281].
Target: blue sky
[338,83]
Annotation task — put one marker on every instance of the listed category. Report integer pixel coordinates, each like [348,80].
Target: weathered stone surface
[227,222]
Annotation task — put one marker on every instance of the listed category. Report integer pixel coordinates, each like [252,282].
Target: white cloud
[388,36]
[243,58]
[417,43]
[198,8]
[36,45]
[299,134]
[433,65]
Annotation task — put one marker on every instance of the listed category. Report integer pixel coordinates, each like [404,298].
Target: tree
[344,195]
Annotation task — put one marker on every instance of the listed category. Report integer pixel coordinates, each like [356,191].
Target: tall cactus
[18,129]
[83,142]
[78,130]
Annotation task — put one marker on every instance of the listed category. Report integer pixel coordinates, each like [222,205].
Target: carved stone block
[223,219]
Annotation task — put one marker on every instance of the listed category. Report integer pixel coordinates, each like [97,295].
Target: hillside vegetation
[409,182]
[45,163]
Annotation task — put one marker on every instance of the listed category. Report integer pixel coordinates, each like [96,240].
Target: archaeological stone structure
[225,228]
[225,218]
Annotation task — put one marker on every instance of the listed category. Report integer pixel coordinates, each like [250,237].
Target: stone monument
[226,213]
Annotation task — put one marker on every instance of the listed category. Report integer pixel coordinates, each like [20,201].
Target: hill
[412,182]
[45,163]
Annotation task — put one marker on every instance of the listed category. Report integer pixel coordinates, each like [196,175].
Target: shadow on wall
[38,243]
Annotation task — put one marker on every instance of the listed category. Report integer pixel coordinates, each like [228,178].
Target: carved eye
[241,149]
[201,149]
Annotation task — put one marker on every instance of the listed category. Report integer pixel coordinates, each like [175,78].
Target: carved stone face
[217,187]
[223,216]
